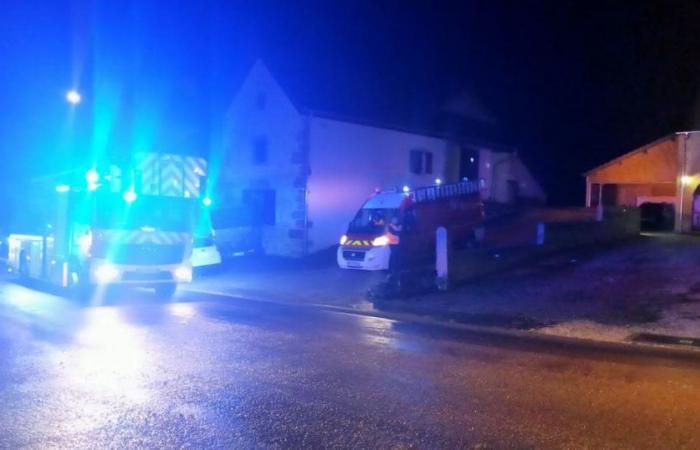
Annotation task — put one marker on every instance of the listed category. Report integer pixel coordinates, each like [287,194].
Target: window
[421,162]
[416,162]
[260,150]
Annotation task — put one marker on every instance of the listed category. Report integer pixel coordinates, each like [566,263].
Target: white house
[301,176]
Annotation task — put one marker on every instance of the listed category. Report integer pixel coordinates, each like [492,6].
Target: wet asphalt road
[133,372]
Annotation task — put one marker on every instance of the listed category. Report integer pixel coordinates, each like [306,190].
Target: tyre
[165,290]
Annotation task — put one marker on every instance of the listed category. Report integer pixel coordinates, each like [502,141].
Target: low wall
[518,241]
[618,223]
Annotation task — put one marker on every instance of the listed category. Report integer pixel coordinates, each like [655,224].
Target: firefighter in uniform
[395,228]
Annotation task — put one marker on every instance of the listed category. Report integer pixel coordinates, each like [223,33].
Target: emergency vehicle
[407,220]
[130,224]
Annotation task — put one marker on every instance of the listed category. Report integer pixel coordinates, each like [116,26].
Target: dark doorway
[609,195]
[261,204]
[468,164]
[696,209]
[513,191]
[657,216]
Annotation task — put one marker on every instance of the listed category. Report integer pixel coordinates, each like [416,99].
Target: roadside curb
[564,343]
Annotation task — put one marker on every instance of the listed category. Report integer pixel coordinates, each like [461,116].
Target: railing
[443,191]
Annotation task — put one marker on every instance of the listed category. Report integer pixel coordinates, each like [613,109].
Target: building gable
[262,93]
[653,163]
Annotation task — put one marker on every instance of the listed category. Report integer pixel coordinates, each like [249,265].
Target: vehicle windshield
[372,220]
[162,213]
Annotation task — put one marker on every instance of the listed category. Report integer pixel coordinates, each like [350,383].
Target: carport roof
[638,150]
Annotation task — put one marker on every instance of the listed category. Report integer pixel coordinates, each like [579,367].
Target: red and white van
[408,220]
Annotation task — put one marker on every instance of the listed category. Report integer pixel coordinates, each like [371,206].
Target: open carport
[662,178]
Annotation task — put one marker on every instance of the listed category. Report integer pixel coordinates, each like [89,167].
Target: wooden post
[599,210]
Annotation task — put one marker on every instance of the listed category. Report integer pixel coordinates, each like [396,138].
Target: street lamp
[73,97]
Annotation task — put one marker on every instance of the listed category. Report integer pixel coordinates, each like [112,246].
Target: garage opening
[657,216]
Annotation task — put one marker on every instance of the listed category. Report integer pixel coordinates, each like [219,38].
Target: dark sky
[570,84]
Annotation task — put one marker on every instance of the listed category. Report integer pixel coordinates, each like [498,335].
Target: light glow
[85,243]
[93,178]
[130,196]
[206,201]
[380,241]
[62,188]
[73,97]
[438,181]
[686,179]
[183,273]
[406,189]
[110,362]
[106,273]
[343,239]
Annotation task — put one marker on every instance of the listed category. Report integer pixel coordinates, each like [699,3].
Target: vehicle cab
[369,239]
[407,221]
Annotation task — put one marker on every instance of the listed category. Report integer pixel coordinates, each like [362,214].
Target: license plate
[355,265]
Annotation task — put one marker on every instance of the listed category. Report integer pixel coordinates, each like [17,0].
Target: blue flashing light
[207,201]
[92,176]
[130,196]
[62,188]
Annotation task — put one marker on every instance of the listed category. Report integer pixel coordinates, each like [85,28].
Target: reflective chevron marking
[358,243]
[171,175]
[145,237]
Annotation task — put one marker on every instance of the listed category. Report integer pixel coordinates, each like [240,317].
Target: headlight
[380,241]
[183,273]
[343,239]
[106,273]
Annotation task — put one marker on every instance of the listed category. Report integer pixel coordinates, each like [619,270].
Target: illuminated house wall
[664,171]
[317,171]
[350,161]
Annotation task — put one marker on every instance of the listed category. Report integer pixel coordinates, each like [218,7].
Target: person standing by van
[395,229]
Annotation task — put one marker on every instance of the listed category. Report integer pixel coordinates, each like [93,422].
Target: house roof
[461,118]
[638,150]
[461,138]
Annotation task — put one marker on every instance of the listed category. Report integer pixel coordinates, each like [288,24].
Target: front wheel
[165,290]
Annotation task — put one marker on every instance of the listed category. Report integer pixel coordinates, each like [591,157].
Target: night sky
[569,84]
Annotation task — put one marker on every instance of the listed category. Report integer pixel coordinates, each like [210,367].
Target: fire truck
[406,220]
[126,224]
